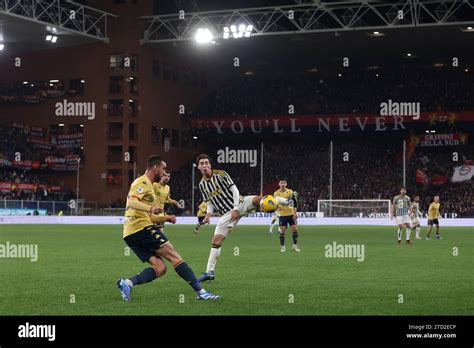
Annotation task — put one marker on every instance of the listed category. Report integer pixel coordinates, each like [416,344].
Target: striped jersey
[415,208]
[216,190]
[402,205]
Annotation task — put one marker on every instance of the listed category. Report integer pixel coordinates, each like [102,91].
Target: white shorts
[401,220]
[415,222]
[224,225]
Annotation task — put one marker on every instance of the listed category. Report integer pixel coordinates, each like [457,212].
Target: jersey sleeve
[139,190]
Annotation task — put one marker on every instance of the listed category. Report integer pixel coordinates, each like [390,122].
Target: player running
[147,241]
[274,221]
[401,210]
[287,215]
[415,216]
[202,208]
[433,217]
[222,196]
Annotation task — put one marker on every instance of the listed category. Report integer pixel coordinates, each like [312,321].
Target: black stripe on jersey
[225,183]
[224,201]
[218,203]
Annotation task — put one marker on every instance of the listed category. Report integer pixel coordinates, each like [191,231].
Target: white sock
[211,263]
[408,233]
[399,234]
[418,232]
[129,282]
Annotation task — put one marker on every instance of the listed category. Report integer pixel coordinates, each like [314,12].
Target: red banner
[27,164]
[439,180]
[10,186]
[421,177]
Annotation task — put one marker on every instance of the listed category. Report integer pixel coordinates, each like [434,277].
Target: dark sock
[185,272]
[295,238]
[282,239]
[145,276]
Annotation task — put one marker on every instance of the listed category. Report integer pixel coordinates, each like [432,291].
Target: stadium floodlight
[54,39]
[195,137]
[53,81]
[83,81]
[203,36]
[226,33]
[2,46]
[49,37]
[237,31]
[25,82]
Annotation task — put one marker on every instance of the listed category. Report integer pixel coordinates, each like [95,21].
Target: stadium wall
[158,100]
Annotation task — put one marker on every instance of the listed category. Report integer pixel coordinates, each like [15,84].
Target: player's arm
[234,215]
[171,200]
[209,212]
[135,203]
[295,203]
[392,215]
[159,219]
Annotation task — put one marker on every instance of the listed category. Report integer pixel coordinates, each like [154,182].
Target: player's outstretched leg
[429,232]
[157,269]
[282,239]
[400,233]
[294,235]
[196,229]
[185,272]
[408,234]
[418,229]
[217,241]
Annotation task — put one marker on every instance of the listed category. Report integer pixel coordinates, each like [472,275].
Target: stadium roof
[24,26]
[324,51]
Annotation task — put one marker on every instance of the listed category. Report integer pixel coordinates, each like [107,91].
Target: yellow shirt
[137,220]
[162,193]
[285,210]
[433,211]
[202,209]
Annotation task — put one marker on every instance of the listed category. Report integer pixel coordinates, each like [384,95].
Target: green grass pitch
[86,260]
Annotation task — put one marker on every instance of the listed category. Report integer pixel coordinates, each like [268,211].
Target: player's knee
[160,269]
[217,240]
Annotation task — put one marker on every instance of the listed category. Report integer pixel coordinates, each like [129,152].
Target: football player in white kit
[415,216]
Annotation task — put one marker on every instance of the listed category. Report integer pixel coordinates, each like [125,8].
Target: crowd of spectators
[361,170]
[352,92]
[42,187]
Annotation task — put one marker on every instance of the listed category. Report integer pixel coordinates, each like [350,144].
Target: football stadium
[268,159]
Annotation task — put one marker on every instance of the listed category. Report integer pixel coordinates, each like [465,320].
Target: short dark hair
[153,160]
[203,156]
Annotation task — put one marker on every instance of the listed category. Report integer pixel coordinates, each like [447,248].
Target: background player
[287,215]
[201,214]
[145,238]
[433,217]
[415,216]
[222,196]
[401,210]
[162,192]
